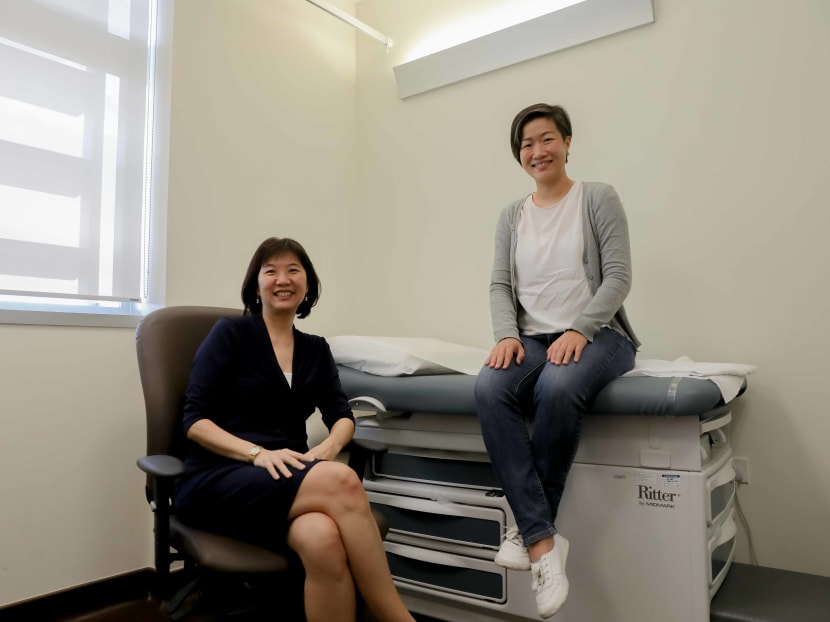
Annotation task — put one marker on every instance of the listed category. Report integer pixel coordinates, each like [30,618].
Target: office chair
[166,342]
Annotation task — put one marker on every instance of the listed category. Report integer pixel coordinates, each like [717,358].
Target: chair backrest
[166,341]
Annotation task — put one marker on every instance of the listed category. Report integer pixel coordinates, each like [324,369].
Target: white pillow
[402,356]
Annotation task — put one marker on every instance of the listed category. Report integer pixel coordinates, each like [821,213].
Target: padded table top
[453,394]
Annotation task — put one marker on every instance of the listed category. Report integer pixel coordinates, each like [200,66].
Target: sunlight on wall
[572,23]
[472,27]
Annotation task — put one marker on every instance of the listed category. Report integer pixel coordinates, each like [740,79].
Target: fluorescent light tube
[563,28]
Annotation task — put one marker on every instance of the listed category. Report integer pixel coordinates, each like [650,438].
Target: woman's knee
[491,385]
[316,538]
[345,478]
[483,385]
[559,400]
[338,481]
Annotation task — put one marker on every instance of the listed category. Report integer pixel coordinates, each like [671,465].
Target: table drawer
[441,520]
[446,572]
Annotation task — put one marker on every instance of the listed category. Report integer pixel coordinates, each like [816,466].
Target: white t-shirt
[550,277]
[288,376]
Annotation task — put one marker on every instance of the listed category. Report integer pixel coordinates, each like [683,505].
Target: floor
[126,599]
[749,592]
[150,610]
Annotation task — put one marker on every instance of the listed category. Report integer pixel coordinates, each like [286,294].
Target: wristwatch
[253,453]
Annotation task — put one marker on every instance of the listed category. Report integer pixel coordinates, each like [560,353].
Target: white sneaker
[549,580]
[513,553]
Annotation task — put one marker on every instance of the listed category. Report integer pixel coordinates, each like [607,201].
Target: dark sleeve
[210,365]
[333,404]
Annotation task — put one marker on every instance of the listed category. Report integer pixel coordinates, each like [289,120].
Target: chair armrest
[162,470]
[161,466]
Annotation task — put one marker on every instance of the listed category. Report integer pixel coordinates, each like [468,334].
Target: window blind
[76,121]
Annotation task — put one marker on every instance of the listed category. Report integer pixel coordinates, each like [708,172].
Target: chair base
[211,596]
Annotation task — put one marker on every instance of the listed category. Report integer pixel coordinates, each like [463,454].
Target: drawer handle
[364,402]
[727,532]
[724,476]
[715,423]
[426,555]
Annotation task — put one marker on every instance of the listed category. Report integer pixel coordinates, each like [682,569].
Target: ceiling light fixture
[562,28]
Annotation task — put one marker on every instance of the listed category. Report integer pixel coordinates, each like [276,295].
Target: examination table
[649,508]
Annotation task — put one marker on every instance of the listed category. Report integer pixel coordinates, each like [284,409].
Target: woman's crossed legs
[335,534]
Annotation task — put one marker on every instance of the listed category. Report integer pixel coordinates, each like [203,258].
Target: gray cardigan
[606,255]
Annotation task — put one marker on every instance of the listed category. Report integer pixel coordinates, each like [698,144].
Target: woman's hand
[323,451]
[277,461]
[569,345]
[328,449]
[504,351]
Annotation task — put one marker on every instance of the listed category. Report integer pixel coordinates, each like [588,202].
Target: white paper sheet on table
[729,377]
[404,356]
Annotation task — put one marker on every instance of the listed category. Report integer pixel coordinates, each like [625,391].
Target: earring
[305,299]
[257,300]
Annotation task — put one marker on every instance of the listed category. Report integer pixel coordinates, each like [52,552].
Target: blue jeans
[533,467]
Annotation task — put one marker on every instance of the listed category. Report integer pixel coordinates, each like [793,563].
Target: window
[84,99]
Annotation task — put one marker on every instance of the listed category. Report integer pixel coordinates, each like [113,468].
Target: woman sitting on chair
[249,472]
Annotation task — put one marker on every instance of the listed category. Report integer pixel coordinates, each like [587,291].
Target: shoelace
[512,535]
[541,575]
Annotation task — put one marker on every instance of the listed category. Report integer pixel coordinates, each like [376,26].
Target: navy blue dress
[237,383]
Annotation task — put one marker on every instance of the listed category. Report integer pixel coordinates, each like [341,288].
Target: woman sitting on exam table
[561,271]
[249,471]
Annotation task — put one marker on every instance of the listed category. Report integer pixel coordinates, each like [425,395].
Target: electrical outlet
[741,466]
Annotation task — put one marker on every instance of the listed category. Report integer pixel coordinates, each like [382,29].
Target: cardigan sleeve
[503,309]
[610,231]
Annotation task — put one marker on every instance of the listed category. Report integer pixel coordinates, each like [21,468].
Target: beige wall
[73,424]
[262,141]
[712,125]
[710,122]
[262,144]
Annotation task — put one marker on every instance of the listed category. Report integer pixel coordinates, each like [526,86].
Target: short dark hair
[557,114]
[271,248]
